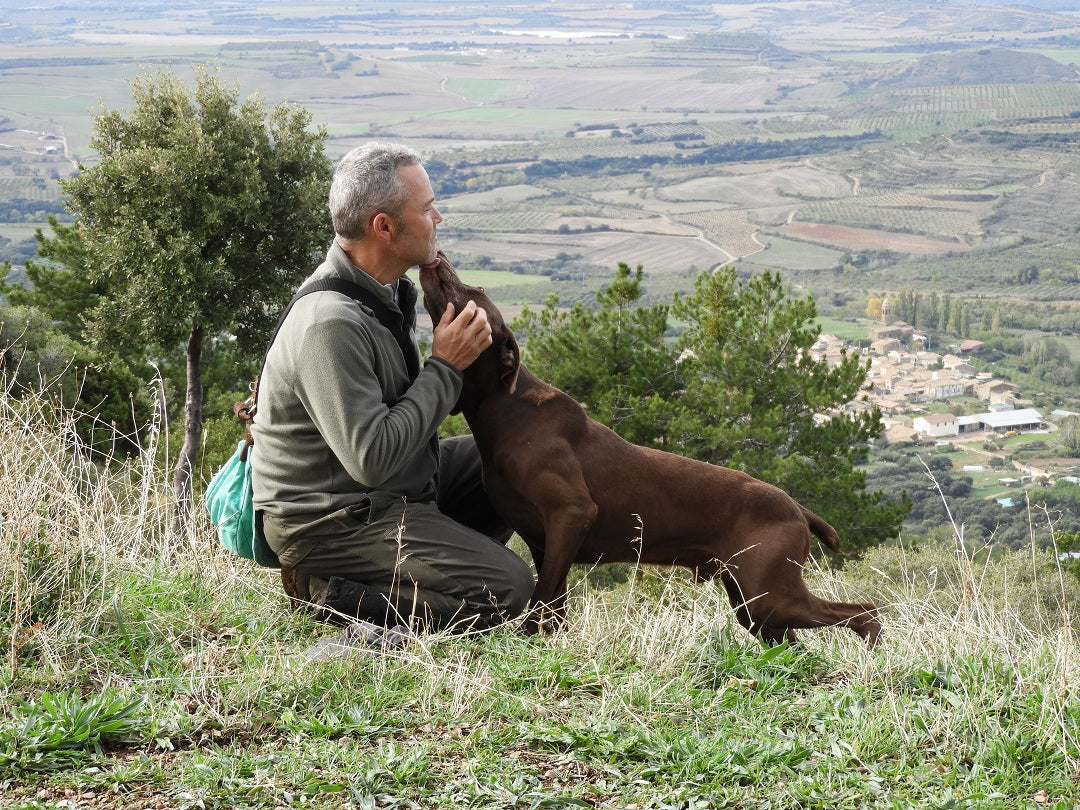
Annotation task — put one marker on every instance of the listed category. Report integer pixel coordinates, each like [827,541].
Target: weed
[63,730]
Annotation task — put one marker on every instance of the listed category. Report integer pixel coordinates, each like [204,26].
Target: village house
[834,357]
[958,364]
[830,349]
[828,341]
[1023,419]
[998,392]
[936,425]
[943,386]
[969,424]
[899,380]
[900,375]
[891,405]
[897,331]
[885,345]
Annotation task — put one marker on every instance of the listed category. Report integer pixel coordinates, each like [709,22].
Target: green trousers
[391,561]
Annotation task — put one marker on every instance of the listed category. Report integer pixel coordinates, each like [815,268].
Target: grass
[843,329]
[143,671]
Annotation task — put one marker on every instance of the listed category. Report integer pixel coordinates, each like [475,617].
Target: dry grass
[650,696]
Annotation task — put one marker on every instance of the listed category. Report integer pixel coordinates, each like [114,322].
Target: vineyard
[593,254]
[1005,101]
[923,111]
[518,221]
[495,198]
[28,188]
[900,212]
[866,239]
[784,184]
[731,230]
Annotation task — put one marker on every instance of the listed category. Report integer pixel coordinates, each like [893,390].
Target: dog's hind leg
[771,599]
[767,632]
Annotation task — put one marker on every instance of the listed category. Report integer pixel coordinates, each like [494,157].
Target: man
[357,494]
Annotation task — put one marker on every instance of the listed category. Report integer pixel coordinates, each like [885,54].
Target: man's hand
[459,339]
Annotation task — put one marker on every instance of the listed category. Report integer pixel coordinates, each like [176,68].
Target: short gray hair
[366,183]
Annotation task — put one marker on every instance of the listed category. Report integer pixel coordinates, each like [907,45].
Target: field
[791,255]
[844,329]
[974,147]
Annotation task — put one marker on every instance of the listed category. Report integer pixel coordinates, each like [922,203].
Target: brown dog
[578,493]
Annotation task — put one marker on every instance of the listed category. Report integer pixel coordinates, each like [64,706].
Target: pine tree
[755,400]
[738,388]
[613,359]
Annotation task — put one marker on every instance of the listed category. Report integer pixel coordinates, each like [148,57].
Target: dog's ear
[510,361]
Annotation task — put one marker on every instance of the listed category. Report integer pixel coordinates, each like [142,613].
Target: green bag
[228,499]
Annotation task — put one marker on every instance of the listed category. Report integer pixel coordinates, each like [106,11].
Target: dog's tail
[822,530]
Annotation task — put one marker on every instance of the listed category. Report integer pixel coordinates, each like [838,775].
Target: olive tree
[200,216]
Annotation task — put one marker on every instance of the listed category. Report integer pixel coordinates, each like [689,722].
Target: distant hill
[983,66]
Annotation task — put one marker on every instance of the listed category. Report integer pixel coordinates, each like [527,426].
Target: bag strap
[245,411]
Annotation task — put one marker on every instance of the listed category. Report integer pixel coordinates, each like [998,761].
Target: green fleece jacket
[338,416]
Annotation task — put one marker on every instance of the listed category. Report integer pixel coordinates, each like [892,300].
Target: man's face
[415,241]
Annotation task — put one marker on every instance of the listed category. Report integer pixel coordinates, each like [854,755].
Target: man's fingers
[477,324]
[480,319]
[461,336]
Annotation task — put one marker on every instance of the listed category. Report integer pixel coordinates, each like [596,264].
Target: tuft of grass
[56,732]
[164,672]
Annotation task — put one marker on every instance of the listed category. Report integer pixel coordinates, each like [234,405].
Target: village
[913,387]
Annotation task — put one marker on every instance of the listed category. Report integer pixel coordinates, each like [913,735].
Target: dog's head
[442,286]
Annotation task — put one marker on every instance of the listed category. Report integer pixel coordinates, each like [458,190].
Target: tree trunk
[185,464]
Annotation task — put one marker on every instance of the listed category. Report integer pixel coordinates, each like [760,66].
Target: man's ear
[510,362]
[383,225]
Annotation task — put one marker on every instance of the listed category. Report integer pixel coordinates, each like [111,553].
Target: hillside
[855,147]
[142,671]
[981,66]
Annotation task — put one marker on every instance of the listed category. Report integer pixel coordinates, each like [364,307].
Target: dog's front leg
[563,538]
[546,615]
[547,481]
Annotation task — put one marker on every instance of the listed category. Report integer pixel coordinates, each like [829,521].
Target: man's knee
[517,588]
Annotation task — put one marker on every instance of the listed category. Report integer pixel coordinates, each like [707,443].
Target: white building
[1020,419]
[937,425]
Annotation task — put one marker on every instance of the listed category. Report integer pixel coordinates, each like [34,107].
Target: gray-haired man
[356,492]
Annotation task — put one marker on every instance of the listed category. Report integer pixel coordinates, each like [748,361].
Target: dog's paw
[542,619]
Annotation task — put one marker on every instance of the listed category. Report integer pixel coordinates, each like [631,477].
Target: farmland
[573,136]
